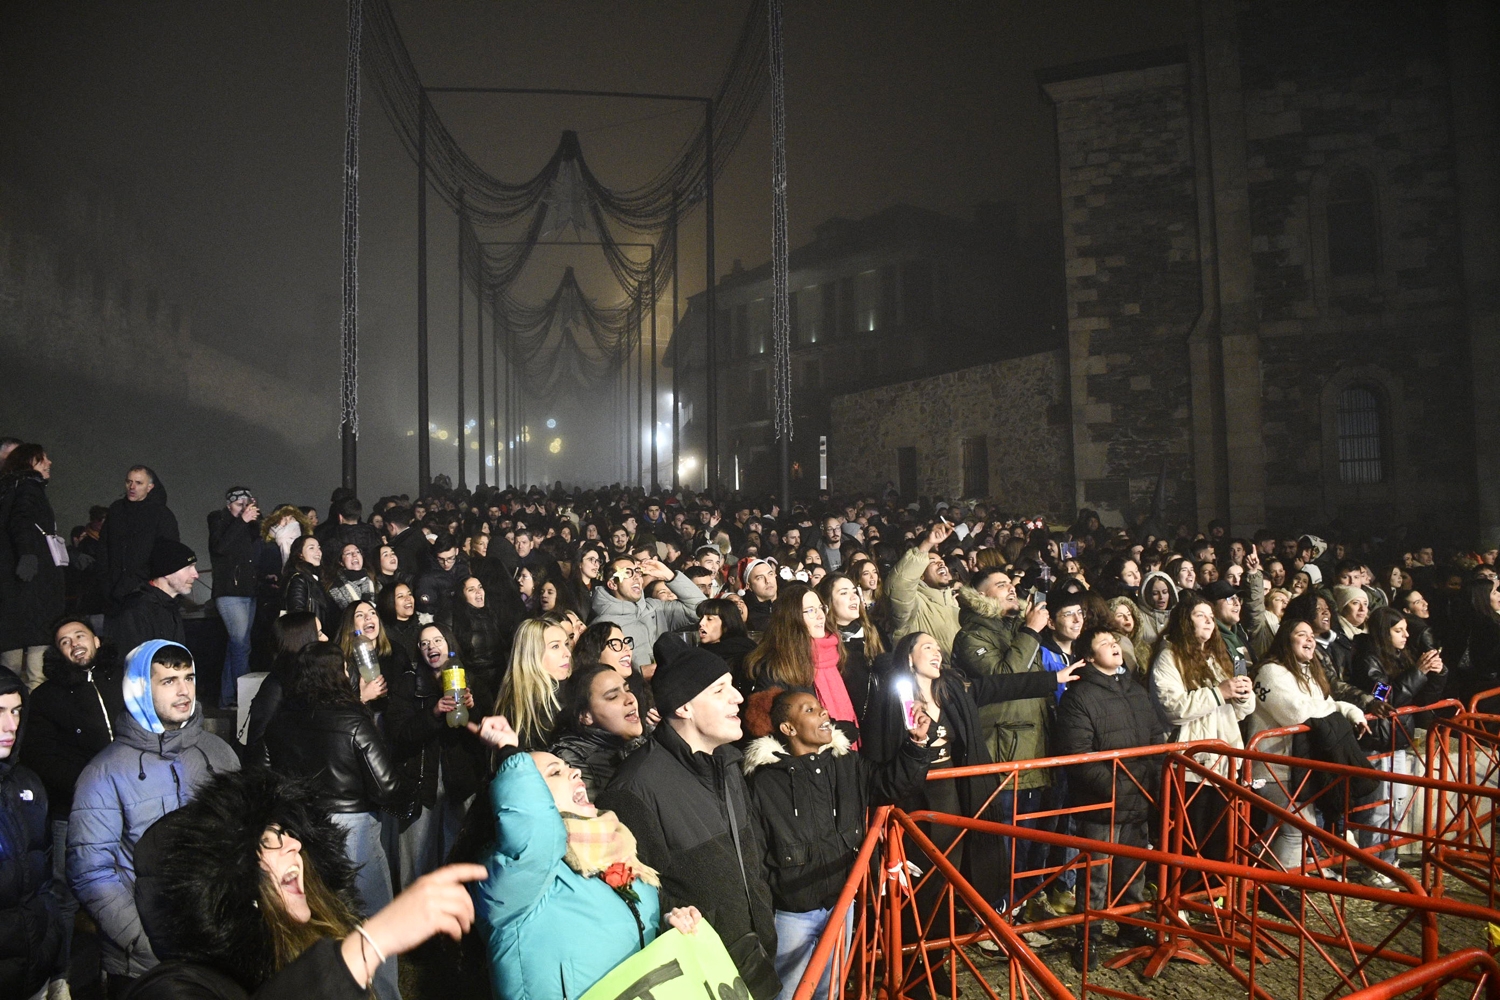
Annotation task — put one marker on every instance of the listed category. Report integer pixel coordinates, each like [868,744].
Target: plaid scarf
[596,842]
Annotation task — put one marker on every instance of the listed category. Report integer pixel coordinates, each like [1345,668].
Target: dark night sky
[227,119]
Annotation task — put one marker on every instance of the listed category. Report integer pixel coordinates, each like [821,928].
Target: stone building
[999,430]
[902,293]
[1282,268]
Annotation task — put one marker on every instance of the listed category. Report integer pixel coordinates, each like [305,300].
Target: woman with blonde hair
[540,660]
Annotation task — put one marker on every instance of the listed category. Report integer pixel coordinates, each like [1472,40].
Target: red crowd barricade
[911,923]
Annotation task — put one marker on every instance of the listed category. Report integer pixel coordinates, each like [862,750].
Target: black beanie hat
[682,677]
[168,556]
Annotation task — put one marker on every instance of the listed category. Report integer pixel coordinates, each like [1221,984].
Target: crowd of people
[506,716]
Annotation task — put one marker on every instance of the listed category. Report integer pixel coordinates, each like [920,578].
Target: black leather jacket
[301,591]
[340,750]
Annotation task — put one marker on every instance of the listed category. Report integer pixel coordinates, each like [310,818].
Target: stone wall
[1131,264]
[1363,86]
[1019,405]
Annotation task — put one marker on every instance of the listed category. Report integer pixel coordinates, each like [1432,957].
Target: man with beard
[159,756]
[921,592]
[70,719]
[133,526]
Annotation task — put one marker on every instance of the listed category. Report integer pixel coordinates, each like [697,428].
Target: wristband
[360,930]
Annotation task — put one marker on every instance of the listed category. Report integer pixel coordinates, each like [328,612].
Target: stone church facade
[1282,268]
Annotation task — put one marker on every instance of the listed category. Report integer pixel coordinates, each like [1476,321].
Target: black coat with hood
[812,812]
[32,591]
[149,613]
[197,887]
[70,718]
[31,929]
[129,531]
[694,823]
[1114,712]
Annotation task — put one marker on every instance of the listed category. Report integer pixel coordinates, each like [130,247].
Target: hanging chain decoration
[781,334]
[349,314]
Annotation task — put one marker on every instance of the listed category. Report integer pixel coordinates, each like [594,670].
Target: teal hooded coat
[552,932]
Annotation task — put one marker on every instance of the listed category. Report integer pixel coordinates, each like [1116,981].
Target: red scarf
[828,682]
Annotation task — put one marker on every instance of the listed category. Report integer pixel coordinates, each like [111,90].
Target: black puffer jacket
[812,812]
[129,531]
[403,634]
[483,641]
[69,719]
[233,545]
[596,753]
[28,607]
[197,884]
[1109,713]
[340,753]
[419,739]
[685,809]
[31,931]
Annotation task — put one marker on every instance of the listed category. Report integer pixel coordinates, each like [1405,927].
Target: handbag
[56,546]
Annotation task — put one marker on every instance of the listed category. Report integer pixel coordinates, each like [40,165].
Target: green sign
[676,966]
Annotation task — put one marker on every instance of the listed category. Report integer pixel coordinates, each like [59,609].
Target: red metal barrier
[1445,970]
[909,934]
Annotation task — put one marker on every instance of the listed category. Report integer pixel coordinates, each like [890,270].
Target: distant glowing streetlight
[551,424]
[442,435]
[556,446]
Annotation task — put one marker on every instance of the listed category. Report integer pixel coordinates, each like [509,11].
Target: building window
[760,326]
[1360,437]
[741,335]
[808,312]
[1353,226]
[976,466]
[867,302]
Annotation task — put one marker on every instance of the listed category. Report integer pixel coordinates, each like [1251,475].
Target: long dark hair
[319,679]
[291,632]
[590,645]
[576,694]
[22,459]
[1478,592]
[1195,660]
[1393,661]
[294,560]
[784,657]
[1281,654]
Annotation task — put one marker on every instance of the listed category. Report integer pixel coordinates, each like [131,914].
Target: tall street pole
[655,475]
[462,431]
[711,375]
[676,361]
[481,454]
[424,417]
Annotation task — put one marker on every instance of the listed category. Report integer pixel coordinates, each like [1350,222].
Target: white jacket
[1199,714]
[1281,701]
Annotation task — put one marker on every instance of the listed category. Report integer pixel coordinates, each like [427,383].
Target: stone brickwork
[1018,405]
[1131,263]
[1361,86]
[1241,340]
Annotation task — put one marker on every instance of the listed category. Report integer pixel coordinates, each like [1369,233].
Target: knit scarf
[827,681]
[596,843]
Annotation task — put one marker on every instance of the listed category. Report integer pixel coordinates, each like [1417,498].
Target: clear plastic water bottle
[366,659]
[454,683]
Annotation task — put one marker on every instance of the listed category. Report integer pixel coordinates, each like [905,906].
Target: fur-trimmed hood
[972,600]
[198,871]
[769,751]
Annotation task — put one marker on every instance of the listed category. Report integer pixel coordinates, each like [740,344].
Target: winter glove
[26,567]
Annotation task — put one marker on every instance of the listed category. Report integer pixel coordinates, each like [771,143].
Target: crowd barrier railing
[914,914]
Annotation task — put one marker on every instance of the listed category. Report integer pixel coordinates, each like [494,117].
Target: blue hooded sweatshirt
[148,771]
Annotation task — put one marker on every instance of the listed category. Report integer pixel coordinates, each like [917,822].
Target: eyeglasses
[627,573]
[620,645]
[274,838]
[1072,614]
[818,611]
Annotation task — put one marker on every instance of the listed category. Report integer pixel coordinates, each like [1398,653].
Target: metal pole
[655,473]
[462,431]
[676,361]
[495,379]
[424,417]
[479,369]
[711,374]
[640,414]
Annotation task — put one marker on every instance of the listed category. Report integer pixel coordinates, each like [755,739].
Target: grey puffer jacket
[132,783]
[645,620]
